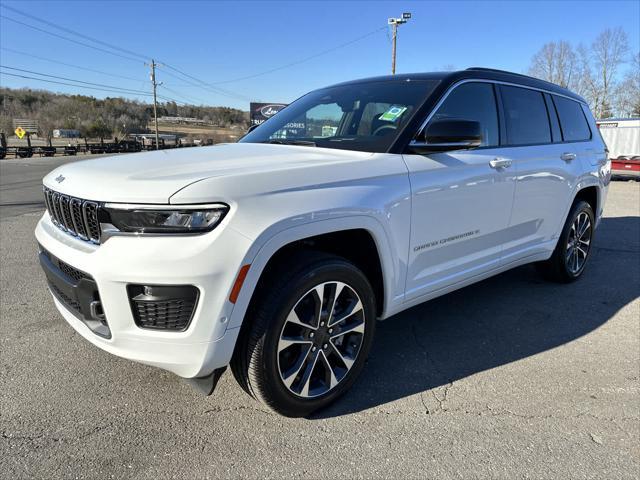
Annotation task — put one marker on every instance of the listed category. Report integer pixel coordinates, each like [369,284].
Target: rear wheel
[570,257]
[309,335]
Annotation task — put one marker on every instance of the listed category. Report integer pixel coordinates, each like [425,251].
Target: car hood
[153,177]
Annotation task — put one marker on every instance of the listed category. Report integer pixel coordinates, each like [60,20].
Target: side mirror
[447,135]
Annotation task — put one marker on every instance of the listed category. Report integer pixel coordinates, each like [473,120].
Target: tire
[278,351]
[567,263]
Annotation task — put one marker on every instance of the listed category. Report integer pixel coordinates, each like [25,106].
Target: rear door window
[572,121]
[526,116]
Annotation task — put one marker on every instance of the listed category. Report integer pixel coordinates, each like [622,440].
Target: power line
[109,45]
[73,32]
[57,62]
[214,89]
[211,87]
[124,90]
[70,84]
[187,97]
[203,85]
[306,59]
[88,87]
[69,39]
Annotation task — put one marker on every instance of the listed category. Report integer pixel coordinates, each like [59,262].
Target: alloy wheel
[578,243]
[321,339]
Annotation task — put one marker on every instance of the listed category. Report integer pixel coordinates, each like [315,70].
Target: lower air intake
[168,308]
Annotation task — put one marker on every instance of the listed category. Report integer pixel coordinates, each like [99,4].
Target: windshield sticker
[394,112]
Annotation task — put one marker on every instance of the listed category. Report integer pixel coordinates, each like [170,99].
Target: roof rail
[484,69]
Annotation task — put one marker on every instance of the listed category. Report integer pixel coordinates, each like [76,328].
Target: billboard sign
[261,112]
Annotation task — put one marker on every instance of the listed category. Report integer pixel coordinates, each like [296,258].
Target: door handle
[568,156]
[499,162]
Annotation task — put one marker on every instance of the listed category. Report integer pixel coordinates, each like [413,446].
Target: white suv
[277,254]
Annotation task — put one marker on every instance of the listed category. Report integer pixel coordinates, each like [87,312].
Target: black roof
[473,72]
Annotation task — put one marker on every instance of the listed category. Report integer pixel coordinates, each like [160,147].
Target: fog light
[163,307]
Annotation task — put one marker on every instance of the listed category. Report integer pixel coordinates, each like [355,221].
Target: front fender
[269,242]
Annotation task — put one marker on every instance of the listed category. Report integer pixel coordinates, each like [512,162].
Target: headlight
[164,219]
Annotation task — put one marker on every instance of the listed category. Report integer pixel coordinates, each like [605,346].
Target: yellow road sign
[20,132]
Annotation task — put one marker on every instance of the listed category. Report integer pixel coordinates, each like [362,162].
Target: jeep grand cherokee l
[276,255]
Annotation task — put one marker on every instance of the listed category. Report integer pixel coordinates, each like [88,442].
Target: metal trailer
[3,146]
[48,150]
[24,152]
[622,136]
[130,145]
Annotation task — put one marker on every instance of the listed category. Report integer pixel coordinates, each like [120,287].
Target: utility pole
[394,22]
[153,66]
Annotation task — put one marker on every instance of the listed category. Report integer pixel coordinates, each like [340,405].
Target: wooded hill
[100,117]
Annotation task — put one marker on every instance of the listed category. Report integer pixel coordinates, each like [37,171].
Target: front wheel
[570,256]
[309,336]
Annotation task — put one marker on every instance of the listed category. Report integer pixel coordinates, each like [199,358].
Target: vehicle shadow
[495,322]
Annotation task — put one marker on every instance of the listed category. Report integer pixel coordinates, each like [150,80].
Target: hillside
[102,117]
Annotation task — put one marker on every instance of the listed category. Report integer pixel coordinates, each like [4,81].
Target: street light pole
[394,26]
[394,22]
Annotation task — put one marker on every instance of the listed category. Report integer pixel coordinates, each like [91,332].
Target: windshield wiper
[304,143]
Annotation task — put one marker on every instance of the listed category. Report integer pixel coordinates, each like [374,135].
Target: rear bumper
[625,167]
[209,262]
[625,173]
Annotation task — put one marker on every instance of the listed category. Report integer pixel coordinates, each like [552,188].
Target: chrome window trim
[483,80]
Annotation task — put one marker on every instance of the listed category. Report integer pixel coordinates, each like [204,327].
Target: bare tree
[627,94]
[585,81]
[590,71]
[555,62]
[609,51]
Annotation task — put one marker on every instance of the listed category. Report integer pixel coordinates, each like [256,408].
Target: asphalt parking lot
[509,378]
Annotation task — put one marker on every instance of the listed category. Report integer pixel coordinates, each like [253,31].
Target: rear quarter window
[572,120]
[526,116]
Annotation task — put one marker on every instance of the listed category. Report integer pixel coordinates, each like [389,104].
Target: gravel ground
[509,378]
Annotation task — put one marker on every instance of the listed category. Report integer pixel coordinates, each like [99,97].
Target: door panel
[542,189]
[460,217]
[546,172]
[461,200]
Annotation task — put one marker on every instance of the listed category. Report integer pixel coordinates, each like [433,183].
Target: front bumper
[209,262]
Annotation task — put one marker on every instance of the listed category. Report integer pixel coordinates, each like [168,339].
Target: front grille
[67,269]
[75,216]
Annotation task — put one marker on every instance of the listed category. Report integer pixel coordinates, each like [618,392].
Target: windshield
[362,116]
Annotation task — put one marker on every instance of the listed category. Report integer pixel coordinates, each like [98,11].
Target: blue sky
[218,41]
